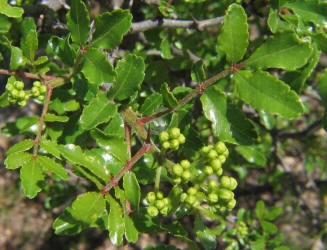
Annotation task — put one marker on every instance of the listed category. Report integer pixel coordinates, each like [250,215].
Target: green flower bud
[185,164]
[222,158]
[164,136]
[174,133]
[166,145]
[190,199]
[212,186]
[174,144]
[228,182]
[22,103]
[231,204]
[35,91]
[178,170]
[208,170]
[215,164]
[183,197]
[226,153]
[225,194]
[18,85]
[178,180]
[220,147]
[21,94]
[40,98]
[219,172]
[186,175]
[166,201]
[151,197]
[213,198]
[196,204]
[164,211]
[181,139]
[15,93]
[9,87]
[152,211]
[205,149]
[192,191]
[43,89]
[212,154]
[160,204]
[37,84]
[159,195]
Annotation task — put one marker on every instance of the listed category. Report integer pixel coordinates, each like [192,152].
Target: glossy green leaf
[269,227]
[49,165]
[115,126]
[55,118]
[114,145]
[151,104]
[18,159]
[169,99]
[21,146]
[260,209]
[78,22]
[97,68]
[165,51]
[31,177]
[272,213]
[252,154]
[206,236]
[131,232]
[320,38]
[197,73]
[130,75]
[65,224]
[16,58]
[115,222]
[265,92]
[234,37]
[267,120]
[29,40]
[98,111]
[51,147]
[132,189]
[322,89]
[110,28]
[74,154]
[275,23]
[40,60]
[283,50]
[228,122]
[10,11]
[313,11]
[4,100]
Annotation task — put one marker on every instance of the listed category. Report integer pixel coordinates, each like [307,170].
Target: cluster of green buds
[242,229]
[157,203]
[16,93]
[191,197]
[216,155]
[182,172]
[38,91]
[171,139]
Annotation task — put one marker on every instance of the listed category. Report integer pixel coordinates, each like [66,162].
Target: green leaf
[110,28]
[275,23]
[115,222]
[165,51]
[169,99]
[267,120]
[320,38]
[97,68]
[313,11]
[16,58]
[18,159]
[41,60]
[197,72]
[265,92]
[88,207]
[283,50]
[29,41]
[65,224]
[272,212]
[78,22]
[322,88]
[252,154]
[98,111]
[234,37]
[74,154]
[4,100]
[49,165]
[31,177]
[260,209]
[131,232]
[132,190]
[206,236]
[51,147]
[21,146]
[55,118]
[130,74]
[10,11]
[228,122]
[269,227]
[151,104]
[115,127]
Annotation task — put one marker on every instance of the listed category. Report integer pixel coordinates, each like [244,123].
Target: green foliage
[137,118]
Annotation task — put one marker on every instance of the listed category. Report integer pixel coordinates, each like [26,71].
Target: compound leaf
[234,37]
[98,111]
[283,50]
[266,92]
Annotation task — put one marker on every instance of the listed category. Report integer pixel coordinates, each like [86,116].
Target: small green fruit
[152,211]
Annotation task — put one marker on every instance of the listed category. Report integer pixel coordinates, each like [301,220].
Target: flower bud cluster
[16,93]
[171,139]
[157,203]
[182,172]
[38,90]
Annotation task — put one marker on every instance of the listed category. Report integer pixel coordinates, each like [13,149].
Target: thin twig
[127,129]
[27,75]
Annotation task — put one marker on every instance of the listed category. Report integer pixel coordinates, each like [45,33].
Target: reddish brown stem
[128,138]
[128,167]
[168,4]
[41,123]
[27,75]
